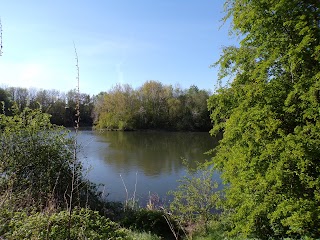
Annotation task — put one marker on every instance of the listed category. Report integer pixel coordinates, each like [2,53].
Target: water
[142,162]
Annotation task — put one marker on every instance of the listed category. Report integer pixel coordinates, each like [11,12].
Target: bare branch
[0,38]
[74,181]
[78,89]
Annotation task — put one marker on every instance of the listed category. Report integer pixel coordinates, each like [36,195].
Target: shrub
[196,199]
[85,224]
[146,220]
[38,164]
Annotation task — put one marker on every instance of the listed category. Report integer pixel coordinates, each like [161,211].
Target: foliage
[196,199]
[215,230]
[115,110]
[86,104]
[269,115]
[86,224]
[152,106]
[143,236]
[4,101]
[37,165]
[146,220]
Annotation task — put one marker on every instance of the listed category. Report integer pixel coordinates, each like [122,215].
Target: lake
[151,160]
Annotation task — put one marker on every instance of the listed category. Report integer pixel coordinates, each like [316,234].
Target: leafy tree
[197,114]
[58,112]
[19,96]
[269,115]
[117,108]
[69,109]
[175,113]
[86,109]
[46,99]
[154,98]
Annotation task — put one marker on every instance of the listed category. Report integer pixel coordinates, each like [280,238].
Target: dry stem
[0,38]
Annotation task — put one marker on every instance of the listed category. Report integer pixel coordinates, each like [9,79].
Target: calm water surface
[153,159]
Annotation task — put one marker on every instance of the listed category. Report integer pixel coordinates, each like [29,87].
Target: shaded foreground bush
[149,221]
[38,165]
[86,224]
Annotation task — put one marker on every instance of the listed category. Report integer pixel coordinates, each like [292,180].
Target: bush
[38,164]
[85,224]
[143,236]
[146,220]
[195,200]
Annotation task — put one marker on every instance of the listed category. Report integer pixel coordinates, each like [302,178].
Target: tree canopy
[269,115]
[152,106]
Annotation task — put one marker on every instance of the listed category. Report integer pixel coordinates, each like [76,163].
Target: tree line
[61,106]
[152,106]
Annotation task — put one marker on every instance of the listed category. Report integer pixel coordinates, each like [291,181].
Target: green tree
[154,100]
[175,113]
[117,108]
[19,96]
[196,112]
[68,111]
[86,109]
[269,115]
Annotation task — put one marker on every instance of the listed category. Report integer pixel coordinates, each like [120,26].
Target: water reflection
[155,158]
[154,153]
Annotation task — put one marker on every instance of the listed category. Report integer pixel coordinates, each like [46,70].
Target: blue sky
[123,41]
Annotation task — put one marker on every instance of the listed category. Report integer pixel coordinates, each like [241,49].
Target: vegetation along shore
[268,114]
